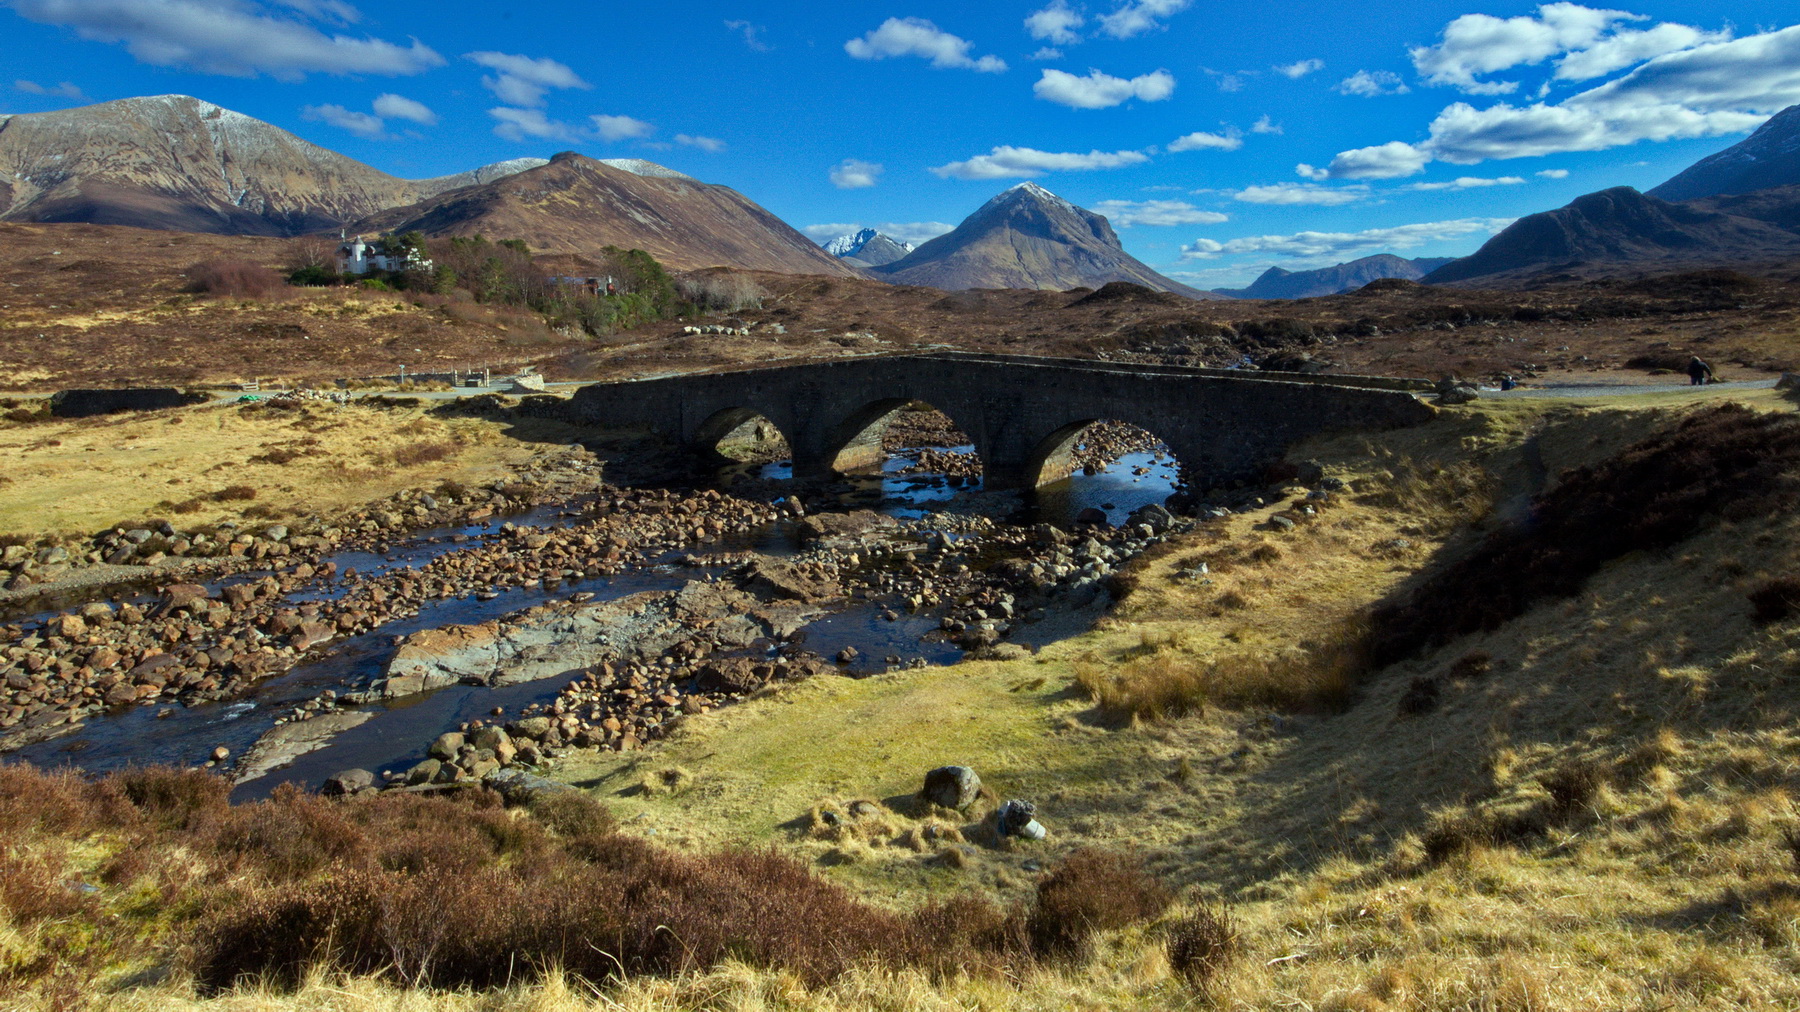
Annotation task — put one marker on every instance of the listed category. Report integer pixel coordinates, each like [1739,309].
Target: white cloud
[1227,82]
[1299,68]
[919,37]
[1554,173]
[1712,89]
[1126,213]
[620,128]
[1476,44]
[905,231]
[1379,161]
[1264,126]
[521,80]
[1008,162]
[1373,83]
[1055,23]
[1301,193]
[1099,91]
[63,90]
[710,145]
[360,123]
[391,106]
[1047,53]
[1467,183]
[1627,48]
[752,34]
[229,37]
[1340,244]
[1201,140]
[855,174]
[519,124]
[1135,17]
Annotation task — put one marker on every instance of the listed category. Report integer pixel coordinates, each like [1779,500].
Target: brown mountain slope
[176,162]
[1028,237]
[1616,227]
[576,204]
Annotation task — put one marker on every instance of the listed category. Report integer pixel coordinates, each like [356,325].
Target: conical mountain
[578,205]
[1028,237]
[176,162]
[1767,158]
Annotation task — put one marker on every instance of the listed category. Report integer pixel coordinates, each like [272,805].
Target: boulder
[446,746]
[520,788]
[951,787]
[347,782]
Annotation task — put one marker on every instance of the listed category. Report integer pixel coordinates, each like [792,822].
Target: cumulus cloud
[360,123]
[520,124]
[1200,140]
[1554,174]
[1341,244]
[1047,53]
[1626,48]
[855,174]
[1008,162]
[63,90]
[1477,44]
[1711,89]
[1263,125]
[1372,83]
[1099,91]
[521,80]
[919,37]
[391,106]
[1301,193]
[1126,213]
[752,34]
[1135,17]
[620,128]
[1299,68]
[235,38]
[1468,183]
[905,231]
[710,145]
[1055,23]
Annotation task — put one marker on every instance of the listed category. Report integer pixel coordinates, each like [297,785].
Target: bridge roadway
[1023,414]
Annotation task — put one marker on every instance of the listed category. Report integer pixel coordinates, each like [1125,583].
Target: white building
[358,257]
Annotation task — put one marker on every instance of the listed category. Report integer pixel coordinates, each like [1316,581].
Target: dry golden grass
[80,475]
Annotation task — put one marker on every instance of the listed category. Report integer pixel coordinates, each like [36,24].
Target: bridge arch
[740,424]
[858,442]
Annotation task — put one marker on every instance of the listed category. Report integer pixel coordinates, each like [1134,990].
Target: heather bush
[233,278]
[1088,891]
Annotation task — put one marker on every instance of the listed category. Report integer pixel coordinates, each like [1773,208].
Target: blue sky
[1219,138]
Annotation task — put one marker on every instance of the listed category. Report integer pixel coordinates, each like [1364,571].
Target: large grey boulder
[347,782]
[951,787]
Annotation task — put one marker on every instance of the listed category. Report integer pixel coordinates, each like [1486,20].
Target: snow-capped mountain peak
[853,243]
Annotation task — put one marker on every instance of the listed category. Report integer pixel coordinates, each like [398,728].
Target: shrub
[1088,891]
[722,291]
[1201,945]
[234,493]
[233,278]
[427,452]
[1572,787]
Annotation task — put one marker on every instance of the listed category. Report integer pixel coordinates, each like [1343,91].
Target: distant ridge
[868,248]
[1767,158]
[1276,283]
[1028,237]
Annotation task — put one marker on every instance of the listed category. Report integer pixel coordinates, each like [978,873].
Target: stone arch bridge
[1023,414]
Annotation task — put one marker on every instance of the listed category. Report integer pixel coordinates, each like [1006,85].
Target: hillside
[175,162]
[575,204]
[1769,157]
[1276,283]
[1617,227]
[868,248]
[1027,237]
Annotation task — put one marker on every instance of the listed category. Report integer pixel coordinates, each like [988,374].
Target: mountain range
[1028,237]
[868,248]
[1276,283]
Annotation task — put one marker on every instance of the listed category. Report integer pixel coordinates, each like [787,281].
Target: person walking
[1699,373]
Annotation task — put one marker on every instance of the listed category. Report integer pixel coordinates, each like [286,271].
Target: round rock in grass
[951,787]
